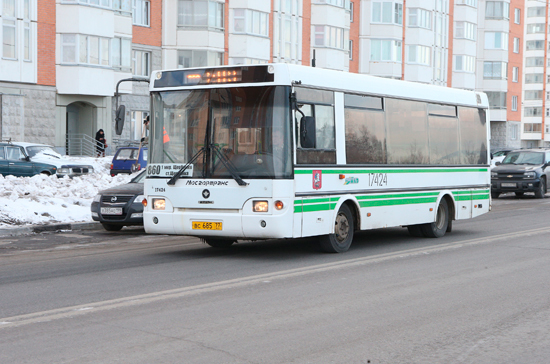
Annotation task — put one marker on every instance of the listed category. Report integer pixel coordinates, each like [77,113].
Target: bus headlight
[259,206]
[159,204]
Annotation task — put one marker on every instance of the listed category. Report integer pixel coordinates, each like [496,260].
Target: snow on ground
[50,200]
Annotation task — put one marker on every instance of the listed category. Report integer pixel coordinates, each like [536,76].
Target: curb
[37,229]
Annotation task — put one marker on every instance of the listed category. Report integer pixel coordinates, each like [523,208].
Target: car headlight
[139,199]
[97,198]
[63,170]
[529,175]
[494,174]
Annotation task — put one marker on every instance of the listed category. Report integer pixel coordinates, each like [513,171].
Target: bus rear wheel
[341,239]
[219,243]
[438,228]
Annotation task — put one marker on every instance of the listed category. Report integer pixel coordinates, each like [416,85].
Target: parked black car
[120,206]
[521,171]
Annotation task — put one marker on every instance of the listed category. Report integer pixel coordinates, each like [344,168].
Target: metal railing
[81,144]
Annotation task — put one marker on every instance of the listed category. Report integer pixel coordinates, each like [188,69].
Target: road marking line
[65,312]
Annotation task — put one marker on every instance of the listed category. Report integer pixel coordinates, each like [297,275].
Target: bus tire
[340,241]
[219,243]
[415,230]
[438,228]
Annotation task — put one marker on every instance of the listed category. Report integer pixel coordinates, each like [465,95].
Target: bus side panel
[480,202]
[381,213]
[317,215]
[463,201]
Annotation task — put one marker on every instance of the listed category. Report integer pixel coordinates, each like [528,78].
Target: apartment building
[89,46]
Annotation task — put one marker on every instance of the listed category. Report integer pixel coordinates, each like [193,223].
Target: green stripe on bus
[416,170]
[404,201]
[398,195]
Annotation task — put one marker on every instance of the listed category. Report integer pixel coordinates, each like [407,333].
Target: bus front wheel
[438,228]
[219,243]
[341,239]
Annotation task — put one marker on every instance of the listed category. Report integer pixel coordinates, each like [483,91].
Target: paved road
[478,295]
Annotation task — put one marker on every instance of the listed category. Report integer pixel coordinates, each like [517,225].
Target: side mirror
[27,158]
[119,119]
[307,132]
[498,163]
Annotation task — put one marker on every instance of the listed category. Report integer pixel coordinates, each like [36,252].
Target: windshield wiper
[228,164]
[172,181]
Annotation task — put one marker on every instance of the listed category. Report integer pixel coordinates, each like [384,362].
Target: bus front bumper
[228,224]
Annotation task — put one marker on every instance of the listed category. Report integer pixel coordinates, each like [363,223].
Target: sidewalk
[37,229]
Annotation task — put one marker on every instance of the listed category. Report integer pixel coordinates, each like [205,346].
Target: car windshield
[42,150]
[139,178]
[240,132]
[500,153]
[127,154]
[524,157]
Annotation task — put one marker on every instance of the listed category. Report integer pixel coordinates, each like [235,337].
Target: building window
[514,129]
[467,2]
[420,18]
[517,16]
[136,125]
[98,3]
[387,12]
[123,6]
[141,11]
[419,54]
[9,38]
[287,32]
[85,49]
[495,70]
[532,127]
[201,14]
[339,3]
[497,100]
[514,103]
[532,45]
[534,78]
[515,74]
[385,50]
[121,51]
[250,22]
[242,60]
[537,28]
[465,30]
[192,58]
[331,37]
[534,61]
[465,63]
[532,111]
[536,12]
[141,63]
[26,30]
[533,94]
[496,40]
[351,50]
[351,12]
[497,10]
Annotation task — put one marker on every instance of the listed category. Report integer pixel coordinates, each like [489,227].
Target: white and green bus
[286,151]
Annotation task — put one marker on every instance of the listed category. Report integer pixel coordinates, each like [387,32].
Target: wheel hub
[342,227]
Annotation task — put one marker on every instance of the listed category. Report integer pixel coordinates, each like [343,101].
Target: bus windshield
[223,132]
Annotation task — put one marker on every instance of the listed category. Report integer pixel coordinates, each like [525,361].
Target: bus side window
[320,105]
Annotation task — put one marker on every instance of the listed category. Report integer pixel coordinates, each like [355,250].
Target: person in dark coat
[101,142]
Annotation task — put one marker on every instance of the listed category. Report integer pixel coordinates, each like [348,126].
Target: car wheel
[219,243]
[495,194]
[340,241]
[111,227]
[541,191]
[438,228]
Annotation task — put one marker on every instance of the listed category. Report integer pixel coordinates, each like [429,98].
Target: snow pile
[50,200]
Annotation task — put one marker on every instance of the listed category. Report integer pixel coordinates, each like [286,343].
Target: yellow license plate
[206,225]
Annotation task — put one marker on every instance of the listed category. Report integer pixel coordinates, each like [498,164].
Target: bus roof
[305,76]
